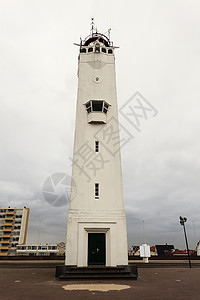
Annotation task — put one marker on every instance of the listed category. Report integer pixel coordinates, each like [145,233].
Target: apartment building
[13,229]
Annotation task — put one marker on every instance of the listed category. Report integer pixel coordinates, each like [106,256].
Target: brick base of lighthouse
[97,240]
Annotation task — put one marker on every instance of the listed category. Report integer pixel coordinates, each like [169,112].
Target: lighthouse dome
[97,37]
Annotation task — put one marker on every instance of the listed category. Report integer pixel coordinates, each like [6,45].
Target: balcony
[7,230]
[8,224]
[5,242]
[8,219]
[97,111]
[3,253]
[4,247]
[10,213]
[95,117]
[5,236]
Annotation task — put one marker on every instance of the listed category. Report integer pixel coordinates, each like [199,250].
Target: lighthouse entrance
[96,249]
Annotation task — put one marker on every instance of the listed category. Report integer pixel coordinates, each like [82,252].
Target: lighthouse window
[83,50]
[89,110]
[97,47]
[90,50]
[97,105]
[88,106]
[96,190]
[96,146]
[105,108]
[103,50]
[110,51]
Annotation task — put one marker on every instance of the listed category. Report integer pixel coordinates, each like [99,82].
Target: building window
[18,221]
[97,47]
[88,107]
[17,227]
[16,233]
[97,105]
[18,216]
[15,239]
[83,50]
[96,190]
[103,50]
[110,51]
[105,108]
[96,146]
[4,250]
[90,50]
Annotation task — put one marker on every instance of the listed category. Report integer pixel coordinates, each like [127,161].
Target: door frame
[98,230]
[109,228]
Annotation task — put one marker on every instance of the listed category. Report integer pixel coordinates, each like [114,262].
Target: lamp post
[182,222]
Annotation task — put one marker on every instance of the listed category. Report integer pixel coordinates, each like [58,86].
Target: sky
[159,56]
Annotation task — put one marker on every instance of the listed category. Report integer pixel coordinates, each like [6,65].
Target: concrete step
[97,277]
[97,269]
[96,272]
[85,273]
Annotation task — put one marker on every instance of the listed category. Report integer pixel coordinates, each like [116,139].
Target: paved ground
[156,283]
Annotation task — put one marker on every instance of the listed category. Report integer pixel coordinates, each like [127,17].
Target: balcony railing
[10,213]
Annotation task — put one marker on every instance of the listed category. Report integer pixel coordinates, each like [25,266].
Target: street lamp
[182,222]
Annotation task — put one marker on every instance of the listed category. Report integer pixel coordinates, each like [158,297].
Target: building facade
[13,229]
[96,226]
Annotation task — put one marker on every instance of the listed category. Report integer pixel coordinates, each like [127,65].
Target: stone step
[73,276]
[85,273]
[97,269]
[96,272]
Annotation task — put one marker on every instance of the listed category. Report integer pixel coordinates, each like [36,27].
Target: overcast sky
[159,56]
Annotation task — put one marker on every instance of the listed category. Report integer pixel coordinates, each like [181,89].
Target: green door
[96,249]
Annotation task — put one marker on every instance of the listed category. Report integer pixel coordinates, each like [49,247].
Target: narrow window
[96,146]
[97,47]
[105,108]
[96,190]
[88,107]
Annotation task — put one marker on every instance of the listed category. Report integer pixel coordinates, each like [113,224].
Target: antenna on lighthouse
[109,33]
[92,26]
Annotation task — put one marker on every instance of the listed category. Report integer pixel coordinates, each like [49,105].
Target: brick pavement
[153,283]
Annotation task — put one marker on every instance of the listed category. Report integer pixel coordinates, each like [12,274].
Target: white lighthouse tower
[96,225]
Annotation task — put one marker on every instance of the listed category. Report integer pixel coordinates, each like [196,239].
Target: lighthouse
[96,224]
